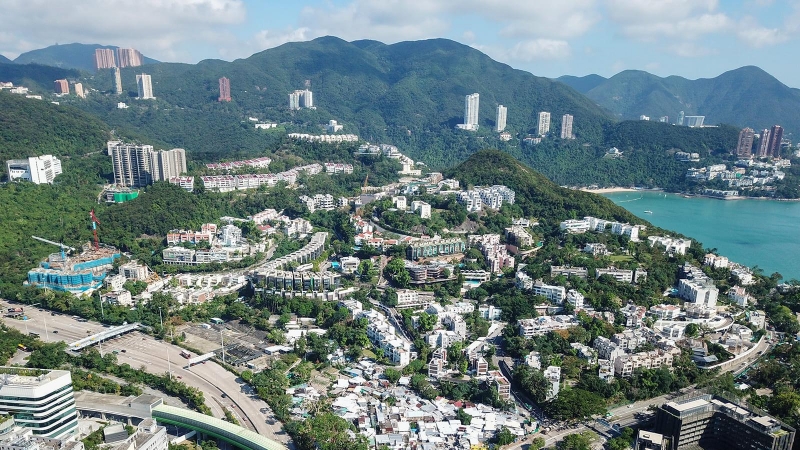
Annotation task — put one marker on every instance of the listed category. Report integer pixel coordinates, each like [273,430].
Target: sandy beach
[608,190]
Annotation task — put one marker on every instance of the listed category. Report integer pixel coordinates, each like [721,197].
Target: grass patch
[620,258]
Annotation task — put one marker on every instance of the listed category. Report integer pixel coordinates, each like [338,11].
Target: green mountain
[747,96]
[34,76]
[4,60]
[36,127]
[410,94]
[68,56]
[535,194]
[582,84]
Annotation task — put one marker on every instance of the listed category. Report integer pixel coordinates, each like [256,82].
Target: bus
[22,347]
[32,334]
[217,321]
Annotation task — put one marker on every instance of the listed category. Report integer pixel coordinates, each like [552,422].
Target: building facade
[224,90]
[36,169]
[104,58]
[566,127]
[140,165]
[706,421]
[744,147]
[471,106]
[145,86]
[129,57]
[502,112]
[41,400]
[544,123]
[117,81]
[61,87]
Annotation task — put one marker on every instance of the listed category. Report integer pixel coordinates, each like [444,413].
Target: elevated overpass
[108,333]
[218,428]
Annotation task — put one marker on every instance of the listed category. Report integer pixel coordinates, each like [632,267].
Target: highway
[220,387]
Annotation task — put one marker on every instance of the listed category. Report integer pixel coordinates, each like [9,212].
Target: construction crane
[95,222]
[63,247]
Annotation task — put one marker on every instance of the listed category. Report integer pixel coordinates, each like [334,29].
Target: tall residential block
[40,400]
[117,81]
[306,98]
[707,421]
[61,87]
[681,116]
[129,57]
[763,144]
[566,127]
[502,112]
[694,121]
[224,90]
[744,148]
[79,90]
[471,107]
[145,85]
[36,169]
[775,138]
[544,123]
[104,58]
[301,99]
[140,165]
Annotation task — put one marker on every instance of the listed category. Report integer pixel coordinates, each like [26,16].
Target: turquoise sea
[761,233]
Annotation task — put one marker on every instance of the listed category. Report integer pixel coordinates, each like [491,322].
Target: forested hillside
[410,94]
[35,76]
[68,56]
[747,96]
[535,194]
[35,127]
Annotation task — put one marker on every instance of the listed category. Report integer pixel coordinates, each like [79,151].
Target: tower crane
[63,247]
[95,222]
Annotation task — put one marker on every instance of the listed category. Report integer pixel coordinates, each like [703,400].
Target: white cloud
[528,51]
[651,20]
[396,20]
[756,36]
[156,27]
[688,49]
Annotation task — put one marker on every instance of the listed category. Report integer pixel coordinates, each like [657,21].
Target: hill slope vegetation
[67,56]
[747,96]
[535,194]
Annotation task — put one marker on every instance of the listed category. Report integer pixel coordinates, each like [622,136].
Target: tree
[504,437]
[465,418]
[577,441]
[692,330]
[366,271]
[426,321]
[576,404]
[538,443]
[393,375]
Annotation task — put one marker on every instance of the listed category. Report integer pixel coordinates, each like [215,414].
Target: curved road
[220,387]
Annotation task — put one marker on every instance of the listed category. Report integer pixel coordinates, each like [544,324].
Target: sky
[690,38]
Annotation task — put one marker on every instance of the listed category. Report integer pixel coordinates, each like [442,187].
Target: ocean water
[761,233]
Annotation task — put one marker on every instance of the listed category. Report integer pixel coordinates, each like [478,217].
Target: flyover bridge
[108,333]
[218,428]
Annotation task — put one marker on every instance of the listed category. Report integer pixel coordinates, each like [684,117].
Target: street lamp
[169,364]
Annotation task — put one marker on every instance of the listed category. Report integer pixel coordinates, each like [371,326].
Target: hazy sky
[691,38]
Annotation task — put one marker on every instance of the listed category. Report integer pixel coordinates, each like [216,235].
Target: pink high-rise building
[224,89]
[104,58]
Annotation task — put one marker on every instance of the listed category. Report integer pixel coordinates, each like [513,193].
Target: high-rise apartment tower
[744,148]
[145,85]
[104,58]
[566,127]
[502,112]
[224,90]
[544,123]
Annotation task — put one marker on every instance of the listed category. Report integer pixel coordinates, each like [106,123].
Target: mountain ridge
[68,56]
[747,96]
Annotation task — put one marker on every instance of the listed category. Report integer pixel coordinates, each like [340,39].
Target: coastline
[610,190]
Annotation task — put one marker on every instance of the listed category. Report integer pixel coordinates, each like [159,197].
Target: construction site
[72,271]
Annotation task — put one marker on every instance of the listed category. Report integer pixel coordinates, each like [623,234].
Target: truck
[186,354]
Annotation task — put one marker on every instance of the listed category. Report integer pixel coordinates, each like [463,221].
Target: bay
[761,233]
